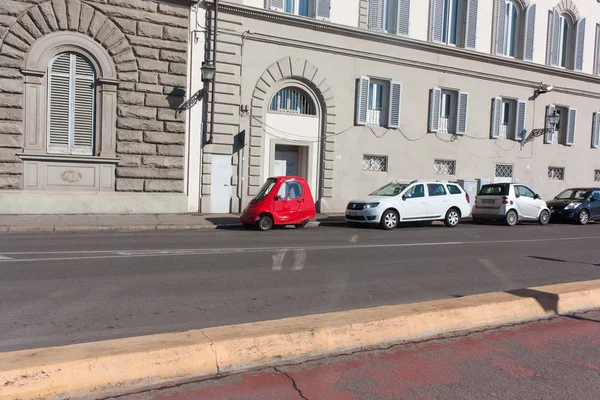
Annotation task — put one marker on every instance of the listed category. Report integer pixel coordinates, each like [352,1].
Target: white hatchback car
[403,201]
[510,203]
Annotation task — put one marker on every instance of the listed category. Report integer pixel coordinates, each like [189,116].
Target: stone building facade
[352,94]
[90,106]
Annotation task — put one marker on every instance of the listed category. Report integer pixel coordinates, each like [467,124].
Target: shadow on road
[563,261]
[549,301]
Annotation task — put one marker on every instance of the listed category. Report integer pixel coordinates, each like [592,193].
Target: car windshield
[573,194]
[265,189]
[391,189]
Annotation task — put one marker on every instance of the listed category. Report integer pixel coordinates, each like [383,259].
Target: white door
[437,202]
[528,207]
[220,188]
[414,203]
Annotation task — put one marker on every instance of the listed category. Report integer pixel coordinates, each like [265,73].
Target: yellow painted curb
[95,369]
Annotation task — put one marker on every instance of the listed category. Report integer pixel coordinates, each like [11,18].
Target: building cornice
[346,31]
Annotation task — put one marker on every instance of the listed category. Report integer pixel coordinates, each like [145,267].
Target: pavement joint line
[131,364]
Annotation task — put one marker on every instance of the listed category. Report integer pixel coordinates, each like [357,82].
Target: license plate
[488,201]
[353,213]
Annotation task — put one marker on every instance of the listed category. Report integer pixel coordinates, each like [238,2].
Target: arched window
[294,101]
[512,29]
[567,38]
[71,105]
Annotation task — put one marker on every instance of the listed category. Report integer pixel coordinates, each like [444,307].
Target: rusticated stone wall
[147,41]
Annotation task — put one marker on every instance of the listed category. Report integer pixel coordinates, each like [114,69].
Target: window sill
[68,158]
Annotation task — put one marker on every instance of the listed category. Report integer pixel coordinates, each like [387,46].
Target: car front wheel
[544,217]
[265,223]
[583,217]
[389,220]
[452,218]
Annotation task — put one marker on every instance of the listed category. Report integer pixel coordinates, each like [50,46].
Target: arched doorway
[292,134]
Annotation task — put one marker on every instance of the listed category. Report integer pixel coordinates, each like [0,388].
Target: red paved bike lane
[556,359]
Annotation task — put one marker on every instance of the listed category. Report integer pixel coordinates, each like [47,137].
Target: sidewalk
[131,222]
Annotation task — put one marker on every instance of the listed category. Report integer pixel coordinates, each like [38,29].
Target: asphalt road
[556,359]
[57,289]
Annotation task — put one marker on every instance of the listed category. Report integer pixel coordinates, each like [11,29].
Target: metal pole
[214,60]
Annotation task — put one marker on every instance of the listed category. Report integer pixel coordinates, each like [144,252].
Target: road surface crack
[213,348]
[293,382]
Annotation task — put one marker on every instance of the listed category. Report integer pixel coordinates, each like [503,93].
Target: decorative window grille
[556,173]
[504,170]
[293,101]
[375,163]
[444,167]
[597,175]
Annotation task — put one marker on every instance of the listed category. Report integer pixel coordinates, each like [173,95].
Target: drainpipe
[214,60]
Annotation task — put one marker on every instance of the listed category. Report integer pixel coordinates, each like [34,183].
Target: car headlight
[371,205]
[572,206]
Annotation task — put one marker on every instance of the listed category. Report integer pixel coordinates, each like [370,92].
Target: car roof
[408,182]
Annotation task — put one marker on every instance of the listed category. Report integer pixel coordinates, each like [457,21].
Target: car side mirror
[593,198]
[406,196]
[277,198]
[537,196]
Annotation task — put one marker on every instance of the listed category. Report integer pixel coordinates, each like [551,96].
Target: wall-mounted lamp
[543,88]
[553,119]
[208,72]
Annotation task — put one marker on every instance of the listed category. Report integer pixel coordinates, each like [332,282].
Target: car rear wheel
[265,223]
[389,220]
[583,217]
[301,224]
[452,218]
[512,218]
[544,217]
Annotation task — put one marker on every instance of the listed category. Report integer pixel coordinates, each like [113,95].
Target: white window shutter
[376,15]
[520,121]
[437,20]
[462,113]
[83,111]
[403,17]
[395,105]
[496,117]
[500,26]
[59,105]
[571,126]
[529,33]
[362,100]
[596,130]
[580,44]
[471,28]
[597,70]
[435,100]
[555,38]
[322,9]
[276,5]
[550,129]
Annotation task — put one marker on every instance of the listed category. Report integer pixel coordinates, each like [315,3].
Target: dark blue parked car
[579,205]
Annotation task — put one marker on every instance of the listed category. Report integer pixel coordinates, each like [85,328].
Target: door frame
[308,148]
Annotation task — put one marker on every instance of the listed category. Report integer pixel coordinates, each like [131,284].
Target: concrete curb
[125,365]
[130,228]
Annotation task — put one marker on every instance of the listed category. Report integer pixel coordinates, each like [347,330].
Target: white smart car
[403,201]
[510,203]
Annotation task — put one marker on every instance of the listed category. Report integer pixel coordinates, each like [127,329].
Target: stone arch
[569,8]
[293,68]
[67,16]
